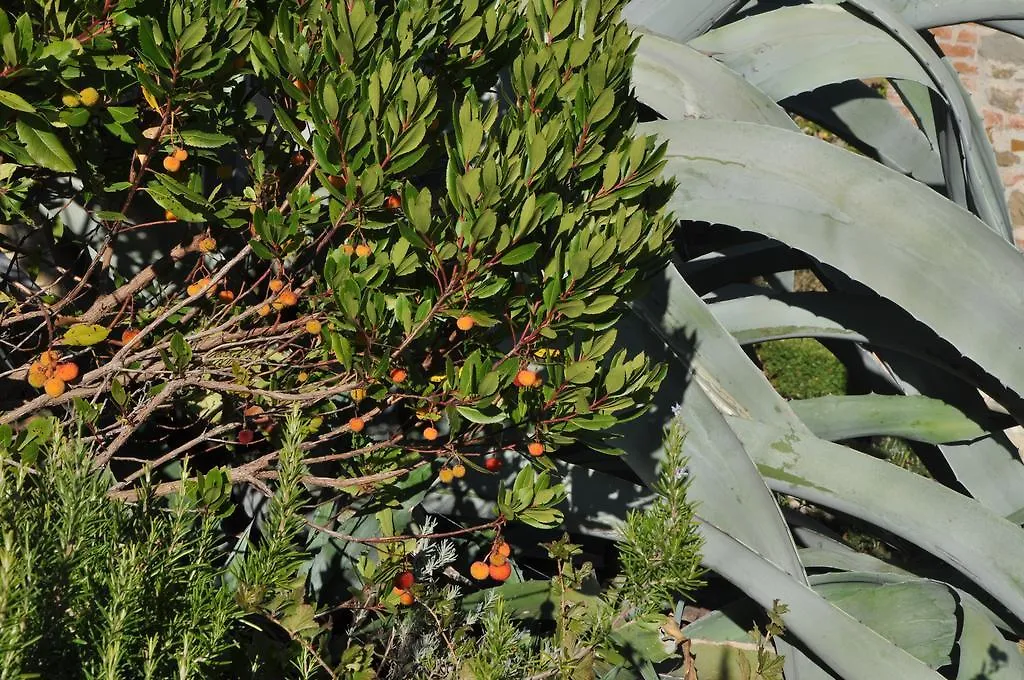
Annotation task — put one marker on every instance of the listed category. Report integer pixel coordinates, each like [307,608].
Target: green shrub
[416,222]
[801,368]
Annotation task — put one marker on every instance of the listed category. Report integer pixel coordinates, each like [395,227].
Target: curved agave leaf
[912,417]
[965,131]
[835,637]
[797,49]
[677,20]
[1012,26]
[936,262]
[983,546]
[921,14]
[861,116]
[680,82]
[984,653]
[917,615]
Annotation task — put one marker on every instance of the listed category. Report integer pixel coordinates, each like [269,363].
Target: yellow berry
[479,571]
[54,387]
[363,250]
[313,327]
[207,245]
[288,298]
[36,375]
[275,285]
[264,310]
[71,100]
[459,471]
[445,475]
[89,96]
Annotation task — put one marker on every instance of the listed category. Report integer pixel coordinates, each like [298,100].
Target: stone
[1003,73]
[1006,158]
[1016,205]
[1002,47]
[1004,99]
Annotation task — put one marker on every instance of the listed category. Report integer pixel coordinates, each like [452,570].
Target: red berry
[404,580]
[246,436]
[493,464]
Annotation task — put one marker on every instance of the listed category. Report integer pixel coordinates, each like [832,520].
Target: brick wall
[991,66]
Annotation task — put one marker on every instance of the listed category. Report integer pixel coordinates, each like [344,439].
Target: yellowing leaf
[85,334]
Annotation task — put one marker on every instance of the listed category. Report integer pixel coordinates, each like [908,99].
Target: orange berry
[363,250]
[264,310]
[348,249]
[465,323]
[500,572]
[67,371]
[207,245]
[36,375]
[276,285]
[445,475]
[129,335]
[479,571]
[171,164]
[459,471]
[497,559]
[169,216]
[180,154]
[503,549]
[430,433]
[404,580]
[535,449]
[399,375]
[313,327]
[493,464]
[356,424]
[54,387]
[407,598]
[393,202]
[288,298]
[226,295]
[526,378]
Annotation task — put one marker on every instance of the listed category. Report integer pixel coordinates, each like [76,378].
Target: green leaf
[43,145]
[205,140]
[477,416]
[13,101]
[520,254]
[83,334]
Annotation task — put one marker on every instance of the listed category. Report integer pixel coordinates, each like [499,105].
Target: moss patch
[801,368]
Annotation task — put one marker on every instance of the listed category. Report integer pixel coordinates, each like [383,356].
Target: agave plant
[908,231]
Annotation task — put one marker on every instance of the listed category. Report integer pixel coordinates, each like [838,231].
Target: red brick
[943,32]
[1017,145]
[993,118]
[1017,122]
[967,35]
[958,50]
[965,67]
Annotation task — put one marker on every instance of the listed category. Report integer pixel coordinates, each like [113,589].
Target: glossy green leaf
[42,144]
